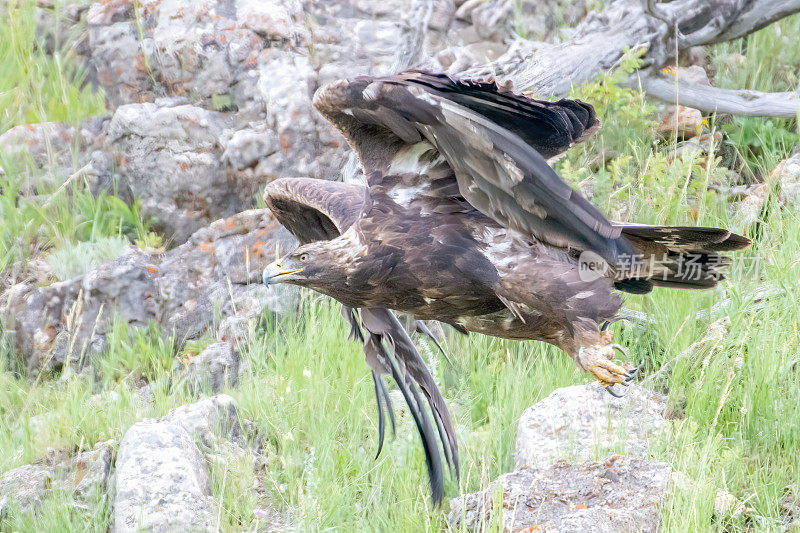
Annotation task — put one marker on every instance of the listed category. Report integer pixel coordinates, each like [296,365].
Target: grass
[307,390]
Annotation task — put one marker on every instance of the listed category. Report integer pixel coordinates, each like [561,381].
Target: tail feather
[677,257]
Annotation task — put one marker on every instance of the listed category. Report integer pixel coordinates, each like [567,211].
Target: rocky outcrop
[257,62]
[170,159]
[215,271]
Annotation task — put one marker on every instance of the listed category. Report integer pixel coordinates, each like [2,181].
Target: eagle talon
[632,373]
[598,360]
[612,392]
[619,348]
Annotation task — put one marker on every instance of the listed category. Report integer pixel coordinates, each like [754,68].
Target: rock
[162,482]
[787,175]
[86,474]
[25,485]
[170,158]
[205,50]
[692,74]
[686,120]
[248,146]
[618,494]
[90,470]
[726,505]
[785,178]
[218,269]
[49,153]
[250,60]
[208,420]
[751,206]
[182,289]
[68,320]
[700,144]
[582,422]
[215,367]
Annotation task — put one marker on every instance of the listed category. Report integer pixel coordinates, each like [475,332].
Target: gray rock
[183,290]
[618,494]
[248,146]
[215,367]
[208,420]
[25,485]
[50,153]
[170,158]
[90,471]
[583,422]
[162,482]
[203,50]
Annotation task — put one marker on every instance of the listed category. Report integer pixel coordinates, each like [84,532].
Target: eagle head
[310,265]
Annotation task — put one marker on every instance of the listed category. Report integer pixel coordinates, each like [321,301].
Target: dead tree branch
[600,40]
[713,100]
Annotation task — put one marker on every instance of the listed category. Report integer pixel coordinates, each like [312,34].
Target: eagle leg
[598,360]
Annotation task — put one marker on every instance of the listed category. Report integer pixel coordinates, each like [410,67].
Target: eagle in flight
[463,221]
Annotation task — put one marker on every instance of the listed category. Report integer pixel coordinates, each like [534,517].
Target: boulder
[170,159]
[25,485]
[182,289]
[584,422]
[215,367]
[162,479]
[162,483]
[617,494]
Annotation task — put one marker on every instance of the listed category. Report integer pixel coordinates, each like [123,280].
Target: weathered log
[599,42]
[713,100]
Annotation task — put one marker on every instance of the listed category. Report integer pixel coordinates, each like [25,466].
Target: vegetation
[308,392]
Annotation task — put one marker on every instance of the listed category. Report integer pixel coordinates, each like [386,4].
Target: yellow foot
[598,360]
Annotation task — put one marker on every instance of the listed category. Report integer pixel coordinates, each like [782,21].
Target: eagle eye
[303,257]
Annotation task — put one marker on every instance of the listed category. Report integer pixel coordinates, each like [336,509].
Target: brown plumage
[463,221]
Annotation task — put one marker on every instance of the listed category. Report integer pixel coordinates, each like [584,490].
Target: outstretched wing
[495,142]
[315,210]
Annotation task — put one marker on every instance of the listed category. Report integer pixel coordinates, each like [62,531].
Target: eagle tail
[678,257]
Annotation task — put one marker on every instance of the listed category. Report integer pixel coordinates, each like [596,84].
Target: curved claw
[612,392]
[619,348]
[632,374]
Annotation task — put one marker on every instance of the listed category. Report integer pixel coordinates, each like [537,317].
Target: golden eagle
[464,221]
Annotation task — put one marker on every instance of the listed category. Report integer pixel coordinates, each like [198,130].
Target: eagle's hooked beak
[275,273]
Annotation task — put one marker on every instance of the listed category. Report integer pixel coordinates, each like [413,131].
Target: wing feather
[495,142]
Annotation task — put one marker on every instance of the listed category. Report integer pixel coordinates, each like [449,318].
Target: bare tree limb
[711,99]
[600,40]
[756,15]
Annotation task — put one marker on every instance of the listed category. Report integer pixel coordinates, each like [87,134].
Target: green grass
[308,392]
